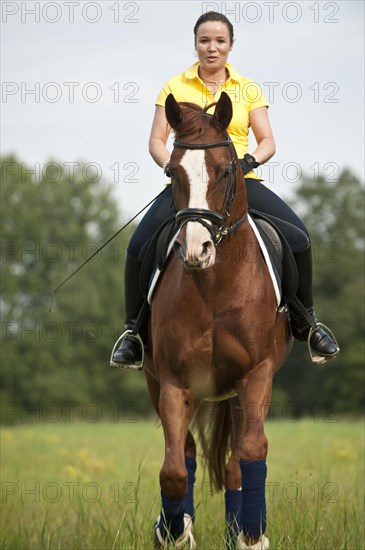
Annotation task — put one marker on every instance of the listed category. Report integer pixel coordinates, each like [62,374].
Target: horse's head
[203,168]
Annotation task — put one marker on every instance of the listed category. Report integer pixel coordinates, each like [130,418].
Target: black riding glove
[248,163]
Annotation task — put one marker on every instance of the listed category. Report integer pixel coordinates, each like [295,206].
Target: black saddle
[282,249]
[154,253]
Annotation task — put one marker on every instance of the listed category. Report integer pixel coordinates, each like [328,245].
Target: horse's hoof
[262,544]
[185,540]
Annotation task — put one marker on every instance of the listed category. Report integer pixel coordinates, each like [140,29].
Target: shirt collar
[192,72]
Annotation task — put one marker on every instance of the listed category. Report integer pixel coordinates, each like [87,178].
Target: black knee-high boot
[130,351]
[305,277]
[133,298]
[302,322]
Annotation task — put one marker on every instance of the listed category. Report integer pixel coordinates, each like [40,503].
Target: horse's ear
[173,111]
[223,112]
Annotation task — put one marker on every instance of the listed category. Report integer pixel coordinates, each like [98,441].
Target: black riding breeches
[259,198]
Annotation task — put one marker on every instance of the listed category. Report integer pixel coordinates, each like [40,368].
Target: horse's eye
[169,172]
[225,172]
[173,172]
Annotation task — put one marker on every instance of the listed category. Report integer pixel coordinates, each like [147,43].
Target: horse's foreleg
[251,447]
[233,481]
[175,408]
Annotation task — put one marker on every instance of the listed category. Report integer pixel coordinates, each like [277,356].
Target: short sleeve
[254,96]
[161,98]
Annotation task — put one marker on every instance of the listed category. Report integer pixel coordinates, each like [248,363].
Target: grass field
[95,486]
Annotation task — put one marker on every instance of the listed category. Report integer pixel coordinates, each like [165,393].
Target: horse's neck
[240,204]
[232,276]
[241,236]
[239,249]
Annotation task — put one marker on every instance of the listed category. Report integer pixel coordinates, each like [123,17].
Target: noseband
[217,227]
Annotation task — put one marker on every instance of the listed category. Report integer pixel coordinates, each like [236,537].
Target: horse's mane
[191,123]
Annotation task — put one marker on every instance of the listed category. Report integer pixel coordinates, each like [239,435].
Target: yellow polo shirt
[245,95]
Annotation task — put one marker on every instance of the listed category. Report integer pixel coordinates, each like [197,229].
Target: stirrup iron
[118,343]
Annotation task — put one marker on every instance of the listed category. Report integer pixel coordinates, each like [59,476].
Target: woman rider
[202,84]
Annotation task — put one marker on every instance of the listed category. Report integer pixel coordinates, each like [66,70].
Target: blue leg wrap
[172,517]
[190,465]
[233,519]
[253,505]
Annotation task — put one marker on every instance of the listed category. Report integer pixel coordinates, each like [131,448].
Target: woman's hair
[214,16]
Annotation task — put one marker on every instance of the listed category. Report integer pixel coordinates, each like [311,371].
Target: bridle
[217,227]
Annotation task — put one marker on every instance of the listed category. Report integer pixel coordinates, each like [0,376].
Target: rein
[219,229]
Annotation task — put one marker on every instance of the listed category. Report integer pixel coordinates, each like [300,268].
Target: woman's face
[213,45]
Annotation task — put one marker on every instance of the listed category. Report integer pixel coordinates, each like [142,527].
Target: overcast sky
[79,82]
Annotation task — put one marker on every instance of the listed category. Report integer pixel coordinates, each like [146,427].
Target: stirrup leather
[320,359]
[118,343]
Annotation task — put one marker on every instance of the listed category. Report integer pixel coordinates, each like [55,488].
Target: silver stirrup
[117,344]
[319,359]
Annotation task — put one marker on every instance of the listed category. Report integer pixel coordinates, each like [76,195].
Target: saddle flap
[154,253]
[286,265]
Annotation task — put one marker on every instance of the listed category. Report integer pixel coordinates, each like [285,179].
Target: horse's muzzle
[195,255]
[195,245]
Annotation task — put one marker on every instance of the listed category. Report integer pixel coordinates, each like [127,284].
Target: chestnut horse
[216,335]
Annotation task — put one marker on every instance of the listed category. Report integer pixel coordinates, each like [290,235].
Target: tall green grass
[95,486]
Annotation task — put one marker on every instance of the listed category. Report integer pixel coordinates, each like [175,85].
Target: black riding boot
[302,322]
[130,352]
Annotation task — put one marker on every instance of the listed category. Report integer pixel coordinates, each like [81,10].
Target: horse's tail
[214,423]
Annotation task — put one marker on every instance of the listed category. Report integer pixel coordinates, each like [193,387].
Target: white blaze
[193,162]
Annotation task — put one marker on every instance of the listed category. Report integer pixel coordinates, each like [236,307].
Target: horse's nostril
[207,248]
